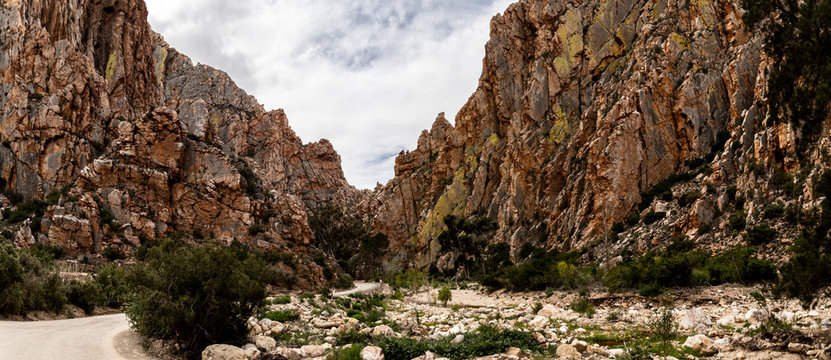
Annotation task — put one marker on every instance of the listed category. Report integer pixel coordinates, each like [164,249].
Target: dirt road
[93,338]
[359,288]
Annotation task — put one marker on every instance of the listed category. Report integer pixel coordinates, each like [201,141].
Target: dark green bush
[617,227]
[85,294]
[350,353]
[773,211]
[681,265]
[633,219]
[738,220]
[113,253]
[807,269]
[798,39]
[486,340]
[256,229]
[195,295]
[688,198]
[11,281]
[351,336]
[283,299]
[113,282]
[283,316]
[760,234]
[652,217]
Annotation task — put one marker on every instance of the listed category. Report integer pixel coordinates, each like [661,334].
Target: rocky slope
[582,108]
[135,142]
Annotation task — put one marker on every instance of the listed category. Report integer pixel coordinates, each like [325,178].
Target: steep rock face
[135,142]
[581,107]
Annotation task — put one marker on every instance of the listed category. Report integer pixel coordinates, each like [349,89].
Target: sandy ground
[99,337]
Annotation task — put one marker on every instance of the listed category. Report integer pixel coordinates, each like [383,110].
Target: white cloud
[368,75]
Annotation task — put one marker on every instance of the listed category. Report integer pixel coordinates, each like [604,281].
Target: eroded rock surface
[581,108]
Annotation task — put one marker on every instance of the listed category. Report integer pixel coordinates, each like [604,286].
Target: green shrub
[796,37]
[688,198]
[617,227]
[700,277]
[773,211]
[256,229]
[344,281]
[350,353]
[279,300]
[806,272]
[11,281]
[738,220]
[760,234]
[486,340]
[113,253]
[681,265]
[536,308]
[652,217]
[633,219]
[583,306]
[351,336]
[664,330]
[283,316]
[113,282]
[195,295]
[85,294]
[445,295]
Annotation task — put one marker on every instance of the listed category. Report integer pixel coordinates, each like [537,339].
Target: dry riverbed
[722,322]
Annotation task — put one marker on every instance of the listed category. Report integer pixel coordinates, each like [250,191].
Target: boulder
[756,316]
[382,331]
[701,344]
[315,350]
[567,351]
[694,319]
[539,322]
[372,353]
[223,352]
[264,343]
[548,310]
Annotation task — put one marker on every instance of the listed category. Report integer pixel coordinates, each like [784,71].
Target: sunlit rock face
[581,107]
[139,143]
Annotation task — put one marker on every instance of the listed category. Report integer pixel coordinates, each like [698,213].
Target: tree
[445,295]
[195,295]
[798,40]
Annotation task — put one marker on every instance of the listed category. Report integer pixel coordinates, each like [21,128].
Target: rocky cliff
[119,139]
[582,108]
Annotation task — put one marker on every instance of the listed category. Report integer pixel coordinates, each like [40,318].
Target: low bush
[351,336]
[280,300]
[773,211]
[85,294]
[113,253]
[583,306]
[688,198]
[681,265]
[282,316]
[113,282]
[652,217]
[760,234]
[349,353]
[486,340]
[344,281]
[445,295]
[738,220]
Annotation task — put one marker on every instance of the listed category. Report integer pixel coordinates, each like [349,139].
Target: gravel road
[92,338]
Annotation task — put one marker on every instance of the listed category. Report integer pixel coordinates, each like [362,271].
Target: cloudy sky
[368,75]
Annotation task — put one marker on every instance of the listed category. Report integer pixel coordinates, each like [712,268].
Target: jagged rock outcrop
[136,142]
[582,106]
